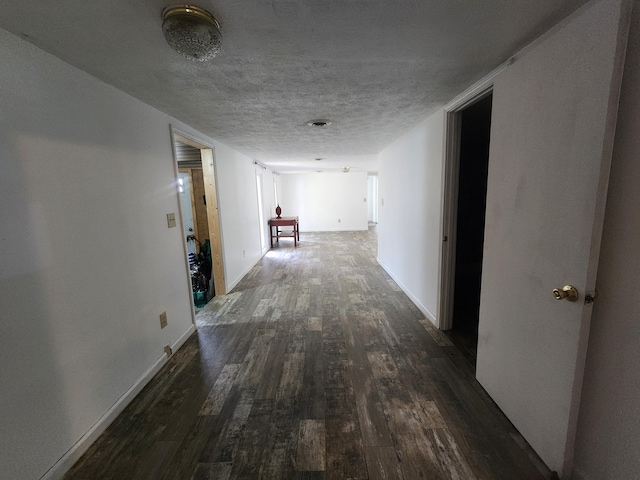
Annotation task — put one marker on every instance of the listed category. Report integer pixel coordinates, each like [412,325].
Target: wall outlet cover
[163,319]
[171,220]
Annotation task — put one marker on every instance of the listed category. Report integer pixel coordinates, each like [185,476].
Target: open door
[553,122]
[206,210]
[472,168]
[208,172]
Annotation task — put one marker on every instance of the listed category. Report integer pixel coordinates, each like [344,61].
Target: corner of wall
[425,311]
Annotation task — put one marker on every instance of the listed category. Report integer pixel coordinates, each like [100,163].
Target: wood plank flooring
[316,366]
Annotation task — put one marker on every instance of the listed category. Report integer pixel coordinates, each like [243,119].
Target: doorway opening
[470,221]
[200,221]
[372,198]
[469,129]
[262,223]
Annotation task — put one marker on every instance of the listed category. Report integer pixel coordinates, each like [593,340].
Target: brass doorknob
[568,291]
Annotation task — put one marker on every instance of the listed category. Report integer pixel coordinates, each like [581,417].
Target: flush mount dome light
[191,31]
[319,123]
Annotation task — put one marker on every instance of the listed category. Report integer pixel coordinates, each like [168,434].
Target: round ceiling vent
[191,31]
[319,123]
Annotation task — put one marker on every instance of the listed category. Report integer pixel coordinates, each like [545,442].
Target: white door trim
[219,268]
[450,170]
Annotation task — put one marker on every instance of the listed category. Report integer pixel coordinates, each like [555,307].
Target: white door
[554,113]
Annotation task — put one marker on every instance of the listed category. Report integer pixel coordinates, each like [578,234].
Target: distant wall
[325,201]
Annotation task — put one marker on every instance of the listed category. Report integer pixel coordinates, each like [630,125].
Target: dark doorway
[472,195]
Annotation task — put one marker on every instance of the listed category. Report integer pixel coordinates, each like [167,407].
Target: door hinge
[589,298]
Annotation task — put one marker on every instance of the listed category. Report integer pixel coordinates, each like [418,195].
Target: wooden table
[284,222]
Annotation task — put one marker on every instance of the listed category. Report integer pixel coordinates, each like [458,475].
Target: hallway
[316,366]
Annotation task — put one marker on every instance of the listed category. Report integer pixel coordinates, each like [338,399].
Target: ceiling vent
[319,123]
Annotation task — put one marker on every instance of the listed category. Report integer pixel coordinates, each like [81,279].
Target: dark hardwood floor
[316,366]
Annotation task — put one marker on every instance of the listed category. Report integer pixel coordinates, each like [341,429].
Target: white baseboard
[57,471]
[183,338]
[232,284]
[425,311]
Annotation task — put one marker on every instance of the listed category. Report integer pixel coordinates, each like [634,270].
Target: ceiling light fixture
[346,169]
[319,123]
[191,31]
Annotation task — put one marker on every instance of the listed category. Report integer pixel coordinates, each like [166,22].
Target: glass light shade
[192,32]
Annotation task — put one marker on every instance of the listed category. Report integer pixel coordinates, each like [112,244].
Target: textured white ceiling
[375,68]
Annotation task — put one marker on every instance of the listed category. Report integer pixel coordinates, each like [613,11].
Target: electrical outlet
[171,220]
[163,319]
[339,220]
[168,351]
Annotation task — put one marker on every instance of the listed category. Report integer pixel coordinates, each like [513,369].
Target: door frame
[261,217]
[189,173]
[450,178]
[207,152]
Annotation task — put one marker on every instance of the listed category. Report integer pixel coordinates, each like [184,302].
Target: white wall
[326,201]
[608,438]
[87,262]
[237,193]
[410,201]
